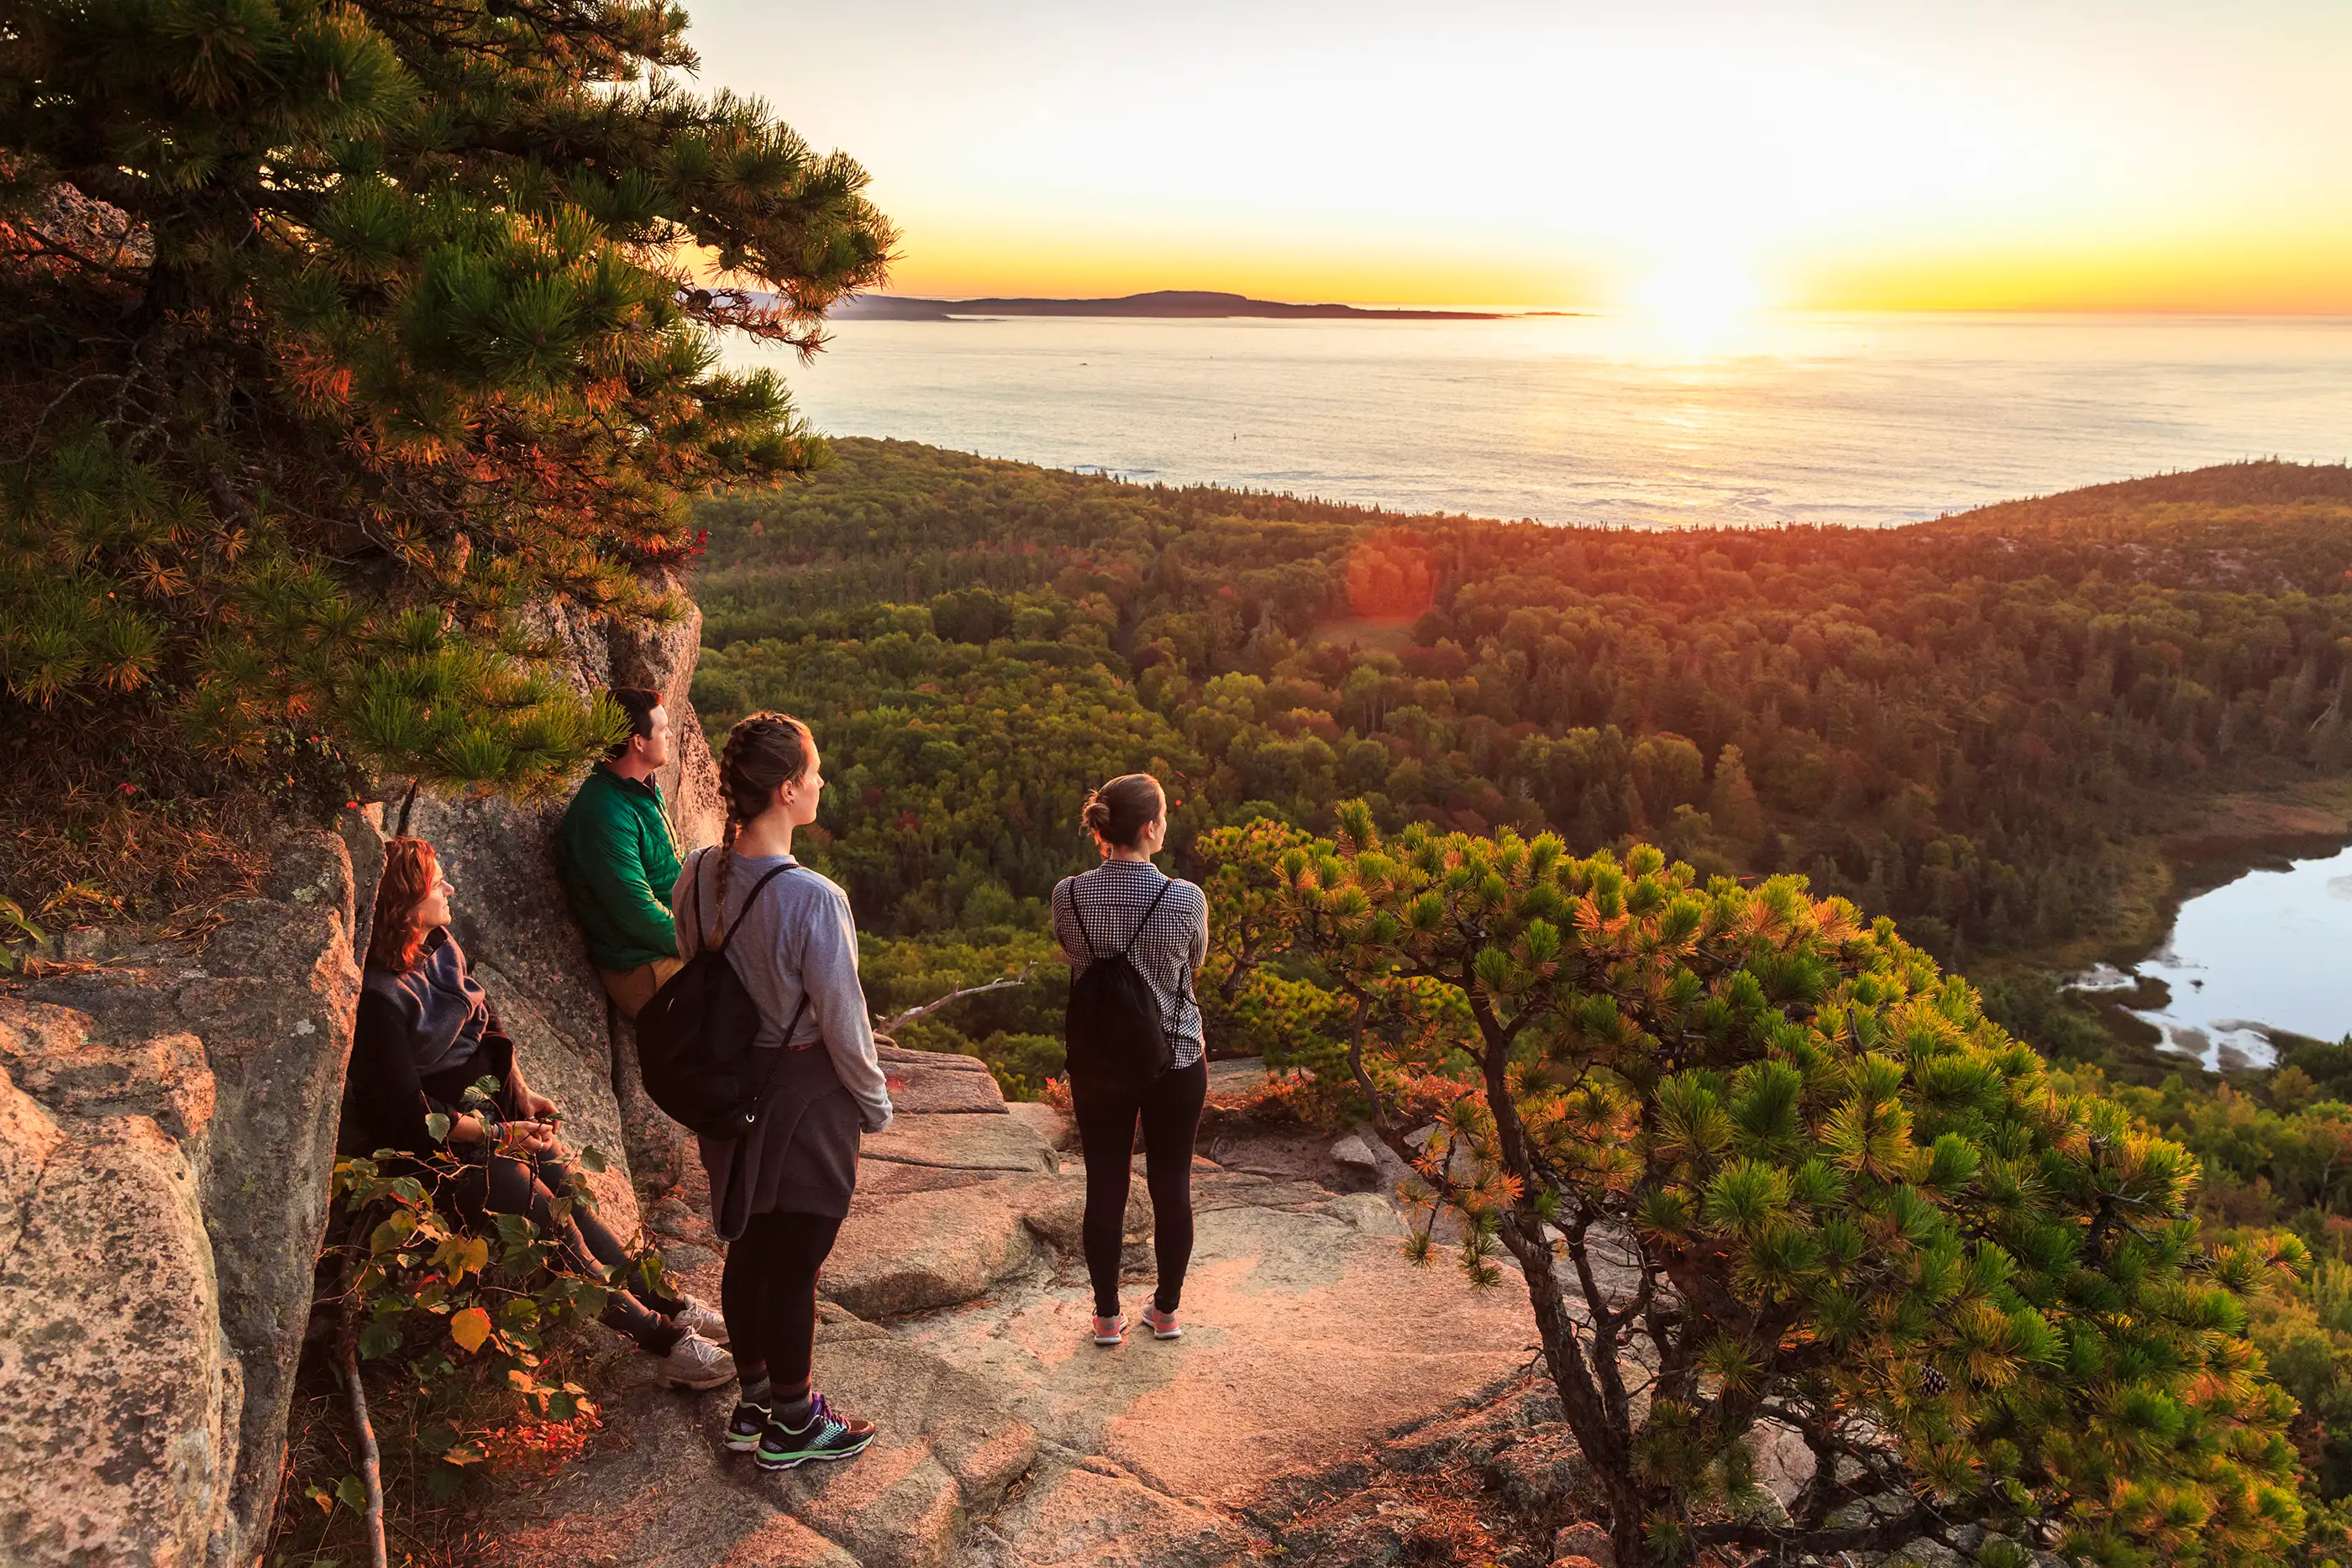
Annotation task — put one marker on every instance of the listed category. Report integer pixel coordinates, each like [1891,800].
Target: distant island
[1163,302]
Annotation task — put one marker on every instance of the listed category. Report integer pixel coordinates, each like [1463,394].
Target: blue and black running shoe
[827,1436]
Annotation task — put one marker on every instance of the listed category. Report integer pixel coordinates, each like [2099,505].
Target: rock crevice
[177,1110]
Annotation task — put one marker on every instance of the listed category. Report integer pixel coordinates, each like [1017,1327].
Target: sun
[1693,300]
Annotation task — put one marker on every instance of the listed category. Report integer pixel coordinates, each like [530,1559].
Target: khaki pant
[631,989]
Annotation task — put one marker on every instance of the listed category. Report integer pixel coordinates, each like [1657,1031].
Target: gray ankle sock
[758,1393]
[793,1412]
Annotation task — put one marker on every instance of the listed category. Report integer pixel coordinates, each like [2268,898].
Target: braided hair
[763,752]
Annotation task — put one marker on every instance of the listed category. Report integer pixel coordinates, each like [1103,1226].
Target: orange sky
[2077,154]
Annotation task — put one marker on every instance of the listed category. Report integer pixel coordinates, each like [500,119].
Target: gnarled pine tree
[1763,1168]
[334,335]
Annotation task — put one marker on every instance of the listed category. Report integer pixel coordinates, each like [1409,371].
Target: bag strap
[1079,915]
[768,1079]
[726,937]
[793,1024]
[700,856]
[1165,883]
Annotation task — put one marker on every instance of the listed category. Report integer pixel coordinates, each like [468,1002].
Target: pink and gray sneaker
[1163,1325]
[1111,1331]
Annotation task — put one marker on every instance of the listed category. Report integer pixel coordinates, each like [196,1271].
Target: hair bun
[1119,811]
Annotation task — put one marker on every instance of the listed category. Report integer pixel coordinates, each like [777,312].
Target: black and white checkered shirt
[1108,901]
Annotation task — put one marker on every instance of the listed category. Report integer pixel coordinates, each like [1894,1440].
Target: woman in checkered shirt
[1099,913]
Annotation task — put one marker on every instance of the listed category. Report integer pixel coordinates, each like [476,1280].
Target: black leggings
[1169,1110]
[769,1294]
[528,1184]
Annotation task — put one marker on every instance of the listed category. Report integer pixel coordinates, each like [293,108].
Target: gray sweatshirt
[800,936]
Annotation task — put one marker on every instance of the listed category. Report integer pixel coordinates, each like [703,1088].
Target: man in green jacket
[618,857]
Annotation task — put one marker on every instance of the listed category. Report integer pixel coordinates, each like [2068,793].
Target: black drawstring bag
[1113,1028]
[694,1039]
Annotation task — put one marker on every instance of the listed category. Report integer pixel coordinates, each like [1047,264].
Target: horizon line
[1524,308]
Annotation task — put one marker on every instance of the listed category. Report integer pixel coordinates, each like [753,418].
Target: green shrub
[460,1332]
[1762,1162]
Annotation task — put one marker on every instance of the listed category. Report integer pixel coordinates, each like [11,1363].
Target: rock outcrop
[110,1343]
[512,917]
[167,1128]
[167,1132]
[956,1312]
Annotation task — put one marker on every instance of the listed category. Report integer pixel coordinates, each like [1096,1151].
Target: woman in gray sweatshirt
[779,1195]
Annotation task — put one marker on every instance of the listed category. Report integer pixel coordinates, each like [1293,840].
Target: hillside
[1967,721]
[2200,503]
[1961,724]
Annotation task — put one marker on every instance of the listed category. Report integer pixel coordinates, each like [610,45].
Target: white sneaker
[696,1317]
[695,1362]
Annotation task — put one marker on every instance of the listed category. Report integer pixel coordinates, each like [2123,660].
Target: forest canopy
[1961,724]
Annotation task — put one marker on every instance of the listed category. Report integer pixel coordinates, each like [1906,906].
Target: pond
[2268,952]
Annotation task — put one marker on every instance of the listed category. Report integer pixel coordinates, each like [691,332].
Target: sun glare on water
[1693,305]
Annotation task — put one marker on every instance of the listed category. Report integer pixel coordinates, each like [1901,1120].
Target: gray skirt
[802,1157]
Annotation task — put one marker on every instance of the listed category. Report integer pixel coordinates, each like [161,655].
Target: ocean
[1854,419]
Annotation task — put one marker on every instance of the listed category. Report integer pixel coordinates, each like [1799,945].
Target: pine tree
[1768,1163]
[1732,800]
[339,335]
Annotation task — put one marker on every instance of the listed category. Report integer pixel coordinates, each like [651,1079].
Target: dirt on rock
[1496,1480]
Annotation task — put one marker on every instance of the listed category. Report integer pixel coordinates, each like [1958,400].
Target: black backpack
[694,1039]
[1113,1027]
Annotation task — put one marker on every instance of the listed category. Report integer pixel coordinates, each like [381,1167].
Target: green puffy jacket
[618,858]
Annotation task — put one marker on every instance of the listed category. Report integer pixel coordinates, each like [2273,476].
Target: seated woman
[426,1032]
